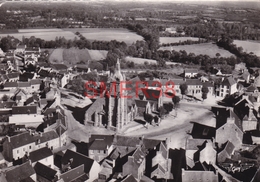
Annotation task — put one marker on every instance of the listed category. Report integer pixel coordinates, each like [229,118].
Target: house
[188,176]
[20,96]
[135,164]
[35,84]
[43,155]
[190,73]
[31,50]
[161,164]
[20,49]
[17,146]
[72,160]
[250,121]
[226,152]
[192,147]
[45,173]
[13,77]
[100,146]
[24,172]
[194,86]
[202,131]
[227,86]
[208,153]
[232,131]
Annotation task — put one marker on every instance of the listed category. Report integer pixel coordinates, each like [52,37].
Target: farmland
[168,40]
[209,49]
[140,60]
[73,56]
[46,34]
[108,34]
[249,46]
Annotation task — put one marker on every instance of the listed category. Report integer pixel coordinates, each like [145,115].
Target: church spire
[118,75]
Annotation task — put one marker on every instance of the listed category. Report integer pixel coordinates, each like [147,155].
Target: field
[168,40]
[248,46]
[140,60]
[46,34]
[108,34]
[204,49]
[73,56]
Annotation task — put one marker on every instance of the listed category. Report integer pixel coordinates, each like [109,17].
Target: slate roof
[73,174]
[229,81]
[191,71]
[59,66]
[40,154]
[13,75]
[100,142]
[45,171]
[229,147]
[152,94]
[24,84]
[192,144]
[20,173]
[78,159]
[7,104]
[150,143]
[193,82]
[35,81]
[141,103]
[139,156]
[10,84]
[46,136]
[21,140]
[24,109]
[127,141]
[178,81]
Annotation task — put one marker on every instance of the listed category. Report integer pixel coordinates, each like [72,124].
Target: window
[104,151]
[23,149]
[17,151]
[30,147]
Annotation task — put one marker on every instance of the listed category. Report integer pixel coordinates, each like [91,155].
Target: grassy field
[249,46]
[46,34]
[73,56]
[56,56]
[168,40]
[107,34]
[204,49]
[140,60]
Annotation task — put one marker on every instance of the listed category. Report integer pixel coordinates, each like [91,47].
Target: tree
[176,100]
[183,88]
[162,112]
[148,118]
[168,107]
[5,98]
[204,91]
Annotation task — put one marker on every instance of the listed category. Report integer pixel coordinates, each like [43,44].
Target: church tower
[117,104]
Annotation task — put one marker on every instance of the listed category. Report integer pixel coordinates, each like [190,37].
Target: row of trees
[250,59]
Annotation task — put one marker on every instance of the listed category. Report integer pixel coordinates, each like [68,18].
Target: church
[112,110]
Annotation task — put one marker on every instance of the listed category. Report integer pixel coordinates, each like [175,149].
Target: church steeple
[118,75]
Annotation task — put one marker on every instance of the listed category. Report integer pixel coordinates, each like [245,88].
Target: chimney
[40,134]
